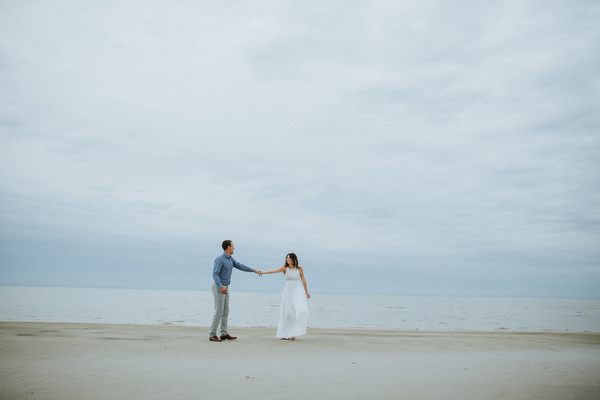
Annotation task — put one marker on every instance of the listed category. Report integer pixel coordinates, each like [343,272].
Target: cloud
[442,138]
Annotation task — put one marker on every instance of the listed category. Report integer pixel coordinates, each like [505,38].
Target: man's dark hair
[226,244]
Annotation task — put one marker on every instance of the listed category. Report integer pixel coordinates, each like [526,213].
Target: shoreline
[98,361]
[201,328]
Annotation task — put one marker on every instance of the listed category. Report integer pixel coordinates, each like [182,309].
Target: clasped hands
[260,273]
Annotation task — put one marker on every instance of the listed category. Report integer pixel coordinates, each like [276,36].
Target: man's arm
[243,267]
[217,271]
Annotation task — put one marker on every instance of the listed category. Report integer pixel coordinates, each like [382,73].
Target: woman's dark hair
[294,260]
[226,244]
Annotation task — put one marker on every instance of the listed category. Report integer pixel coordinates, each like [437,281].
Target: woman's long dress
[293,314]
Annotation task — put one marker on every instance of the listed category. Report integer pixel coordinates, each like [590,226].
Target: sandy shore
[102,361]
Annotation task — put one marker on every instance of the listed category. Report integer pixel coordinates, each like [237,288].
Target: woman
[293,314]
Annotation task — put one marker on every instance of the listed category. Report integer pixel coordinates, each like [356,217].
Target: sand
[103,361]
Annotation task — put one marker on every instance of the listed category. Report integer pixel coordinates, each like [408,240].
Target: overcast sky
[405,147]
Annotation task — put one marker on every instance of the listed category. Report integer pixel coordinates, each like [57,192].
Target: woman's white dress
[293,314]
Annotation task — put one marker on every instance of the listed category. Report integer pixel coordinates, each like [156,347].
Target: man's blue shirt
[224,264]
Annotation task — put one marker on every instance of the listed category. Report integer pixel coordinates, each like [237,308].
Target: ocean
[337,311]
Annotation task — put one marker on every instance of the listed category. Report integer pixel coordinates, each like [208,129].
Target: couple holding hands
[293,314]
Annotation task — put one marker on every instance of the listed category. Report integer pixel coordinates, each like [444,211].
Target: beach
[42,360]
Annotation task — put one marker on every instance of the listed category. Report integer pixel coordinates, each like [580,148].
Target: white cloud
[435,133]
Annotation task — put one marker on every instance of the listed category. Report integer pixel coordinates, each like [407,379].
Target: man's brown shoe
[214,339]
[228,337]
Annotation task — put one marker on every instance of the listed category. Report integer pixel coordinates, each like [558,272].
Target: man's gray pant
[221,311]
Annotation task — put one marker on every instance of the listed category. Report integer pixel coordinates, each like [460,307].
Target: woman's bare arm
[274,271]
[303,281]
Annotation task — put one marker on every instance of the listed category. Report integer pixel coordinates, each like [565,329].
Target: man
[224,265]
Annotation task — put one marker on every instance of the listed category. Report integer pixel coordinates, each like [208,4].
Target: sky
[397,147]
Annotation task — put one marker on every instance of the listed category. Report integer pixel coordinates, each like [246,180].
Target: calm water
[194,308]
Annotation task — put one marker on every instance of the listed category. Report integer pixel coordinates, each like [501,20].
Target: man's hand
[224,290]
[260,273]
